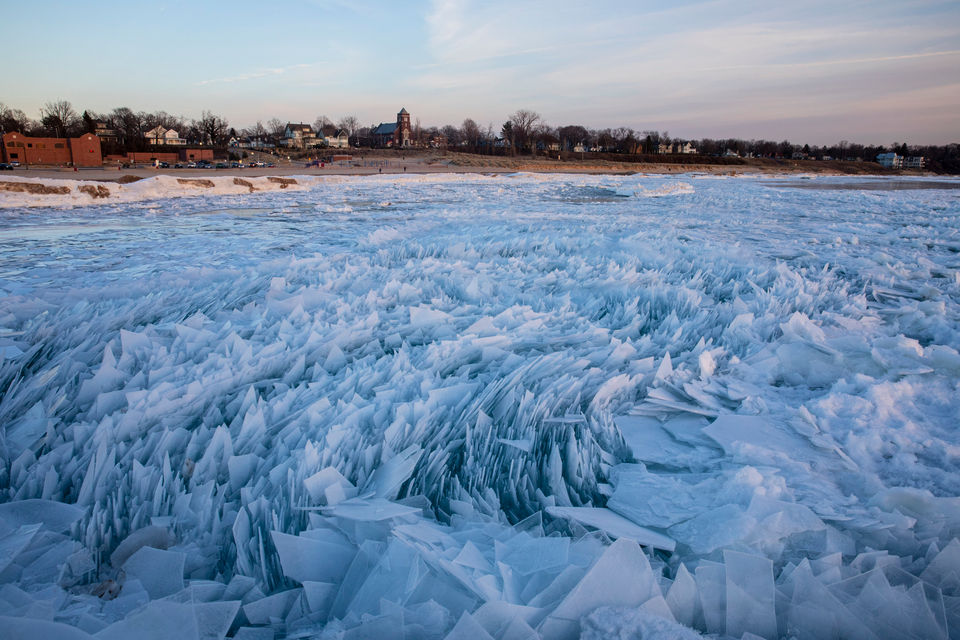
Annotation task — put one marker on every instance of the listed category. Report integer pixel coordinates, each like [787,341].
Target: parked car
[6,167]
[163,165]
[221,165]
[191,165]
[178,166]
[14,164]
[236,165]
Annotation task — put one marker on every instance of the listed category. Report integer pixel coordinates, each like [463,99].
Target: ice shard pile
[507,407]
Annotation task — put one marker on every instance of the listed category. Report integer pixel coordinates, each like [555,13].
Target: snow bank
[18,191]
[506,407]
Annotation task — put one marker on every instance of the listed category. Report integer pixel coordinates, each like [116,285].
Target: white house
[890,160]
[914,162]
[161,135]
[339,140]
[299,136]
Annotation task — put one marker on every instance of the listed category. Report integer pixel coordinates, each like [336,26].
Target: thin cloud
[260,73]
[825,63]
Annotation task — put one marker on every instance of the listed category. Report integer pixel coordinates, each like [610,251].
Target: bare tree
[213,127]
[524,123]
[452,135]
[58,117]
[276,127]
[258,132]
[350,124]
[129,126]
[321,122]
[13,120]
[572,135]
[470,133]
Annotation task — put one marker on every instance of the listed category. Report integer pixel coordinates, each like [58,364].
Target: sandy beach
[368,163]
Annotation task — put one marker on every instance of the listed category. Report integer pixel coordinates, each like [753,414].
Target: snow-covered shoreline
[18,191]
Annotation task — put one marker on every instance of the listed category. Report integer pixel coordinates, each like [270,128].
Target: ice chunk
[328,486]
[274,607]
[371,510]
[13,543]
[255,633]
[214,618]
[496,616]
[649,442]
[945,567]
[470,556]
[390,475]
[620,577]
[715,529]
[160,572]
[157,620]
[319,596]
[305,559]
[711,587]
[689,429]
[617,622]
[525,445]
[749,595]
[468,629]
[33,629]
[614,525]
[54,516]
[240,469]
[26,431]
[518,629]
[682,597]
[149,536]
[757,432]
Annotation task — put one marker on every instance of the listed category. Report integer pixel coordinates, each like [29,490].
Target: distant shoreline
[377,164]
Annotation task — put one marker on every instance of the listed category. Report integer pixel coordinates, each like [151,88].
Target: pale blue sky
[810,71]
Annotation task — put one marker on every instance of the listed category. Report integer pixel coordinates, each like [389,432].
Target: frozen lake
[428,405]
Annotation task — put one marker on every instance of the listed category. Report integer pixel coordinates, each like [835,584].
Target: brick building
[81,152]
[393,134]
[148,157]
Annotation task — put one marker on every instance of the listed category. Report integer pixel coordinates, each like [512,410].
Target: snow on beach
[458,406]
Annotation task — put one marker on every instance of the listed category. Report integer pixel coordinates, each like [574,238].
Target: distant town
[64,137]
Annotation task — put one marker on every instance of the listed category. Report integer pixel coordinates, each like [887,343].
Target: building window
[58,145]
[29,145]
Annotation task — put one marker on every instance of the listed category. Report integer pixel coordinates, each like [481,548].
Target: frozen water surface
[469,406]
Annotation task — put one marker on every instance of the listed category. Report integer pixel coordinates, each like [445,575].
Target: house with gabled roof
[163,136]
[299,136]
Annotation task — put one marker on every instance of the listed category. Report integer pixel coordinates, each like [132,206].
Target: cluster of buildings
[686,148]
[85,150]
[302,136]
[896,161]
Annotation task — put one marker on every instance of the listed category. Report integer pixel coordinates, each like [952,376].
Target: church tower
[404,134]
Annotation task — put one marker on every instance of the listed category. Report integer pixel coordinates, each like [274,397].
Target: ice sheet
[380,405]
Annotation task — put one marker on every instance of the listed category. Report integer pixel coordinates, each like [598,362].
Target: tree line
[524,132]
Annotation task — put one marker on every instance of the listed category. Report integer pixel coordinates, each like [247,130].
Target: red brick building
[147,157]
[393,134]
[80,152]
